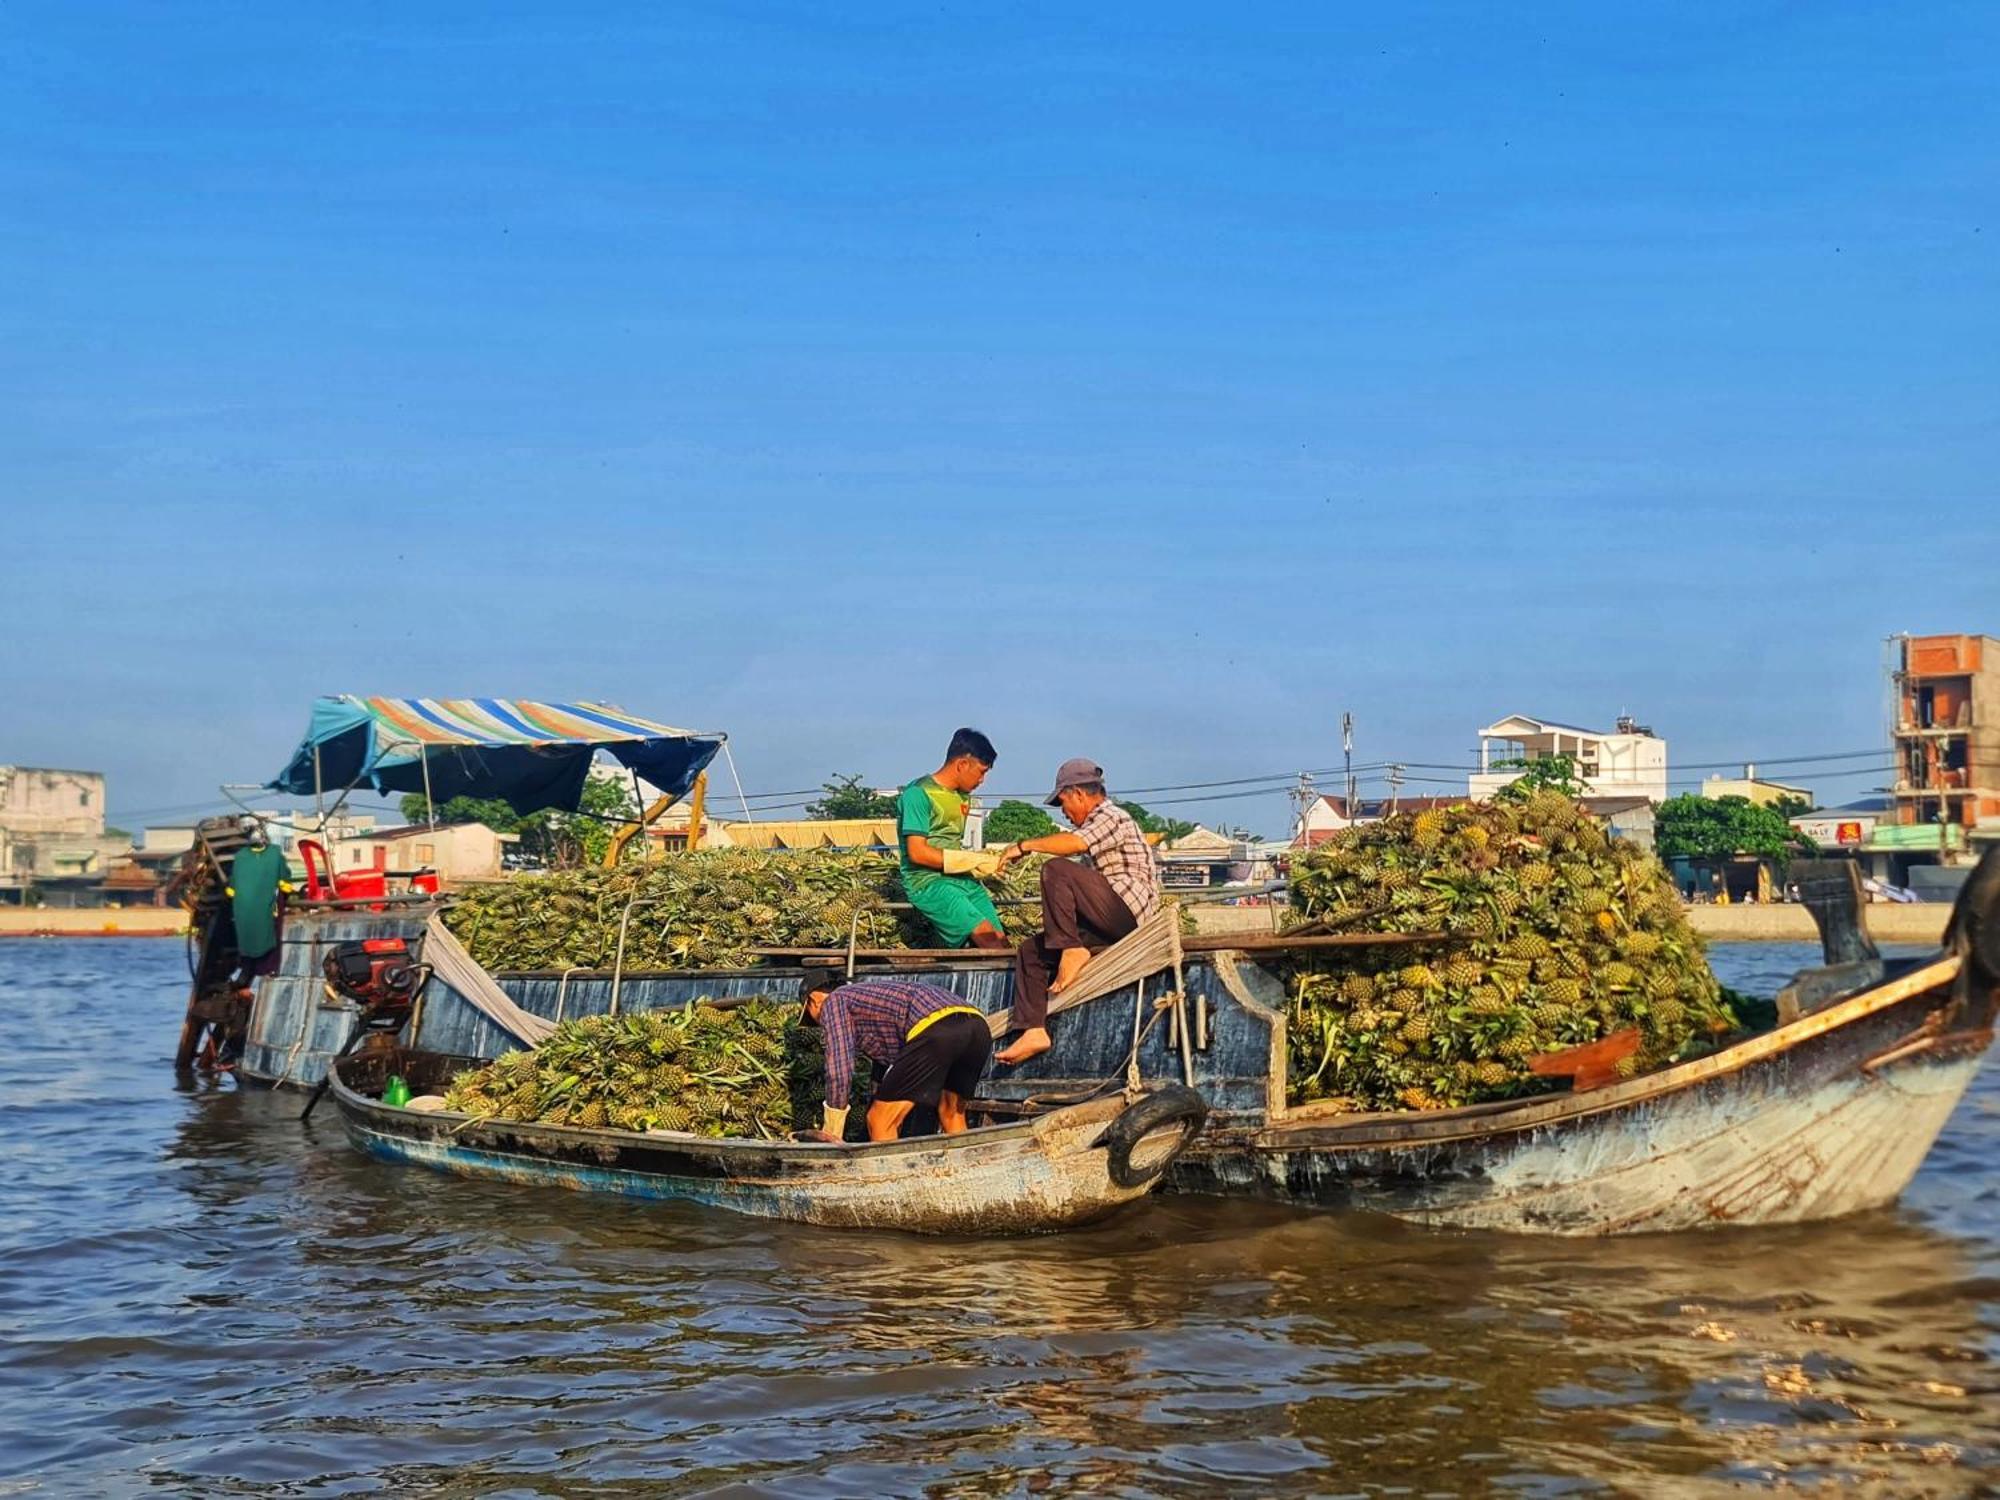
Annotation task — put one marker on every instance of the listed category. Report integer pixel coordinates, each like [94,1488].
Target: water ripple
[199,1294]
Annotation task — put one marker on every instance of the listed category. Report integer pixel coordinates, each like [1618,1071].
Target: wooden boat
[1829,1113]
[1048,1171]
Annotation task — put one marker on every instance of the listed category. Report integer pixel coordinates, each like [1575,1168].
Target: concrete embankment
[92,921]
[1888,923]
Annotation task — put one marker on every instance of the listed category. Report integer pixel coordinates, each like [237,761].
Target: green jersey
[937,814]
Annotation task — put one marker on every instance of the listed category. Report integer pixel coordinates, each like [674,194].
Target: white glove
[976,862]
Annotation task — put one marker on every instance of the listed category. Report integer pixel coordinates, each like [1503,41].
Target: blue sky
[1148,382]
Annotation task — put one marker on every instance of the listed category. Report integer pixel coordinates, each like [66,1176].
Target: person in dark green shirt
[941,875]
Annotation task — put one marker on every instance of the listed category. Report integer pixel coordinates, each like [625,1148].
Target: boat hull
[1034,1176]
[1783,1129]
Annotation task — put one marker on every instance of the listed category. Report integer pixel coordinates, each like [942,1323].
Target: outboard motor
[379,975]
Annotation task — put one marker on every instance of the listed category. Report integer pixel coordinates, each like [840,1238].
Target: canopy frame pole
[430,803]
[730,761]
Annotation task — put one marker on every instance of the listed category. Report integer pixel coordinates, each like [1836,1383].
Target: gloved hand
[980,863]
[833,1121]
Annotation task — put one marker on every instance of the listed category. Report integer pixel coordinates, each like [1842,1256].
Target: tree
[1788,806]
[496,813]
[607,802]
[1543,773]
[846,797]
[1691,827]
[1151,822]
[1014,820]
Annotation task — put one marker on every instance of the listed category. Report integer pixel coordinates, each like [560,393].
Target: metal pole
[1347,758]
[430,806]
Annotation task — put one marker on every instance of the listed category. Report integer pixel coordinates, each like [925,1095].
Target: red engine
[377,973]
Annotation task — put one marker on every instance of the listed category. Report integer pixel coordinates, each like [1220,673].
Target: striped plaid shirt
[1113,843]
[872,1017]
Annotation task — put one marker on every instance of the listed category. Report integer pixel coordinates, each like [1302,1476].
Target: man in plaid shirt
[928,1047]
[1084,906]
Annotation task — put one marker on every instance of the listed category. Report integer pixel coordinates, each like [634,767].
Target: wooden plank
[1202,943]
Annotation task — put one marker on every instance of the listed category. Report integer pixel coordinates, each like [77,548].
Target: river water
[200,1295]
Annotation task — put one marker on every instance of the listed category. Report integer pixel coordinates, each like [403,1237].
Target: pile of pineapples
[700,1068]
[704,910]
[1555,935]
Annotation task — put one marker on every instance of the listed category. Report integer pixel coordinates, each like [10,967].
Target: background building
[52,836]
[1329,815]
[1630,761]
[1755,788]
[1946,743]
[456,851]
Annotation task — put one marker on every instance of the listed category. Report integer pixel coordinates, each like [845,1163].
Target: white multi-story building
[1630,761]
[52,827]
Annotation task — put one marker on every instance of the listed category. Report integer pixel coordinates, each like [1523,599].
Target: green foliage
[1543,773]
[113,831]
[848,797]
[556,837]
[1014,820]
[1788,806]
[495,812]
[699,1068]
[1553,935]
[1152,822]
[704,910]
[1691,827]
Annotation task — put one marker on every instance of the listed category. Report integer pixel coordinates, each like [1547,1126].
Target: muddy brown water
[198,1295]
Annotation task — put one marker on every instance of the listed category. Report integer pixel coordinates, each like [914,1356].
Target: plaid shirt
[873,1017]
[1113,843]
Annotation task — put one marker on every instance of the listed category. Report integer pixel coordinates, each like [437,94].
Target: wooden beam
[1202,943]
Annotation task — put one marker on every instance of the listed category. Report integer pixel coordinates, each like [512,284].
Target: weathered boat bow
[1829,1113]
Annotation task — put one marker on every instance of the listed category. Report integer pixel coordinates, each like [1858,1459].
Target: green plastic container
[396,1093]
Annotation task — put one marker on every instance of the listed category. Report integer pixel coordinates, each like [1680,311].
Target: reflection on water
[197,1293]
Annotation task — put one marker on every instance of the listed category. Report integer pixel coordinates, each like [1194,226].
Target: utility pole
[1395,784]
[1347,758]
[1304,794]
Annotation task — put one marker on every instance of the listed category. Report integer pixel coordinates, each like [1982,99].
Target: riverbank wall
[1922,922]
[92,921]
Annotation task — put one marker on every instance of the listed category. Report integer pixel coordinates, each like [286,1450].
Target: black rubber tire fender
[1175,1104]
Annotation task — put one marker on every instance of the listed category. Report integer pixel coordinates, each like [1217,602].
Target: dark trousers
[1079,910]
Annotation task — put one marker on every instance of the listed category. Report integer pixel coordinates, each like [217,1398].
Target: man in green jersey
[940,874]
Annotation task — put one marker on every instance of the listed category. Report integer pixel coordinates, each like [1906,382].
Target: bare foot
[1032,1043]
[1068,967]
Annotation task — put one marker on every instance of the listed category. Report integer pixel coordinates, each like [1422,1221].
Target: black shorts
[948,1056]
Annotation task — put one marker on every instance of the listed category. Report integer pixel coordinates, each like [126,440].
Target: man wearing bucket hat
[1085,905]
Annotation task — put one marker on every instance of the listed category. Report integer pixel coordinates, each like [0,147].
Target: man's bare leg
[986,935]
[1035,1040]
[951,1113]
[885,1118]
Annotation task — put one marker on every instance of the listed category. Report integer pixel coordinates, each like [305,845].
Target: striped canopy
[534,755]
